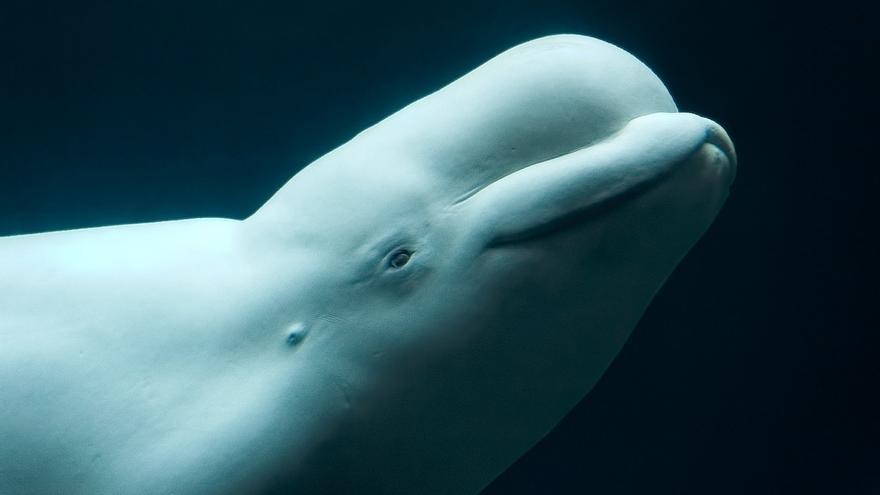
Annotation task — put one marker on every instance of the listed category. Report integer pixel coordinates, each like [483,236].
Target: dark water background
[752,370]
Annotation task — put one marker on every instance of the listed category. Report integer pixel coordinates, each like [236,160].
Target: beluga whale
[410,313]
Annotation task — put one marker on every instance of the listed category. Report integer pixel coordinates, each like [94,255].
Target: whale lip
[713,148]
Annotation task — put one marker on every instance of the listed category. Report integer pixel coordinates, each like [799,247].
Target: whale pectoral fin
[549,194]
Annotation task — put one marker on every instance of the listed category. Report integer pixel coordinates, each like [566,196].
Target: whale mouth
[559,194]
[574,218]
[717,152]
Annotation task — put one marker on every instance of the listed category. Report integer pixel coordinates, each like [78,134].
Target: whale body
[410,313]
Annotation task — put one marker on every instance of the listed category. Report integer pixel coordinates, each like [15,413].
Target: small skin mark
[330,317]
[296,333]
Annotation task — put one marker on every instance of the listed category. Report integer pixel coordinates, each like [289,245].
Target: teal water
[749,372]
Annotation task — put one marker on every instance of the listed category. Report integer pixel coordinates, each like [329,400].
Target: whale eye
[399,258]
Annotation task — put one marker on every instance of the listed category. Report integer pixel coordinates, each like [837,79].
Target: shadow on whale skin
[409,314]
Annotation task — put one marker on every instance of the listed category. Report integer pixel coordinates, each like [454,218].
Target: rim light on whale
[409,314]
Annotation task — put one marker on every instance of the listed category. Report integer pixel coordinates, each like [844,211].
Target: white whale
[409,314]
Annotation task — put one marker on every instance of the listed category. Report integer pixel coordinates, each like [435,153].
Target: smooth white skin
[544,197]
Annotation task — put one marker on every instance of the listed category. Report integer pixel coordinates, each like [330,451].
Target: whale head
[458,276]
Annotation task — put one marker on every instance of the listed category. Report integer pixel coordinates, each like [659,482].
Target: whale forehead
[536,101]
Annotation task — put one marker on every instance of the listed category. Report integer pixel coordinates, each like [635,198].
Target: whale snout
[701,181]
[688,154]
[718,151]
